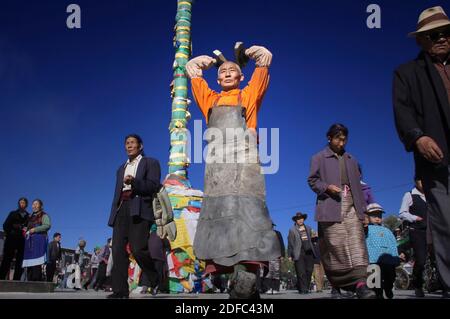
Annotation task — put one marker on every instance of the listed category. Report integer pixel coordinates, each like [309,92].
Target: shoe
[275,292]
[117,295]
[144,290]
[379,293]
[389,294]
[365,293]
[336,293]
[419,293]
[348,294]
[154,291]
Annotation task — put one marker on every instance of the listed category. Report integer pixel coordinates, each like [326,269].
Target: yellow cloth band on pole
[181,55]
[178,142]
[178,164]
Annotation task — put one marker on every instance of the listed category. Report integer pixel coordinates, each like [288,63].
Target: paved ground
[291,294]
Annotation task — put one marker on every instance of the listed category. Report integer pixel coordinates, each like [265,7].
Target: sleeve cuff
[411,138]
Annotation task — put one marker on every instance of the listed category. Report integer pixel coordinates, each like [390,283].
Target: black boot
[363,292]
[243,284]
[419,293]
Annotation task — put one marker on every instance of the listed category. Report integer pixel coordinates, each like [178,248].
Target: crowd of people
[382,247]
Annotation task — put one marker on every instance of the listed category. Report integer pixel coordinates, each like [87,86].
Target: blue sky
[68,97]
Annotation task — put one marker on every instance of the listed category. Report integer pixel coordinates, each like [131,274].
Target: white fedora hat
[374,207]
[429,19]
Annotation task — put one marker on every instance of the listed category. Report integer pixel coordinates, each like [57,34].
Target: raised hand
[195,67]
[261,55]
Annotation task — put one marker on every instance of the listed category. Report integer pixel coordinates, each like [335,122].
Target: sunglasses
[436,36]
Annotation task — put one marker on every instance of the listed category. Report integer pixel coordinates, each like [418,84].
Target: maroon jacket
[324,171]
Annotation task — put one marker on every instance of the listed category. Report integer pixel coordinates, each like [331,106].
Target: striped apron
[343,247]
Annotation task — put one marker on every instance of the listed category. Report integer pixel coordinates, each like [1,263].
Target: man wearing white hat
[421,97]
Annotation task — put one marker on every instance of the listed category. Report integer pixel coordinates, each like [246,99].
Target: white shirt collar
[136,160]
[415,191]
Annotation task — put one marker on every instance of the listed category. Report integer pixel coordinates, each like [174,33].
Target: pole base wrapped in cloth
[343,248]
[234,225]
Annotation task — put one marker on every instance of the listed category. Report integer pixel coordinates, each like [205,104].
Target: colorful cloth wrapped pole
[185,272]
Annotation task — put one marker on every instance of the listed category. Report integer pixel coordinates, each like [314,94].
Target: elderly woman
[36,240]
[340,208]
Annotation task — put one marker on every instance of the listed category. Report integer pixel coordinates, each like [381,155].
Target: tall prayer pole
[178,160]
[185,270]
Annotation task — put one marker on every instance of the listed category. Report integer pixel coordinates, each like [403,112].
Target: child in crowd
[382,249]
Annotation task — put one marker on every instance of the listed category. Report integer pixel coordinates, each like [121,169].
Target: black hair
[56,235]
[39,201]
[337,129]
[22,199]
[109,240]
[137,137]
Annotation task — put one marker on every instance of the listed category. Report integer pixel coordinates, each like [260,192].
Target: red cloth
[124,196]
[174,183]
[177,264]
[193,209]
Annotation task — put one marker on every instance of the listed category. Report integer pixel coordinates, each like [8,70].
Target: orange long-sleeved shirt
[251,95]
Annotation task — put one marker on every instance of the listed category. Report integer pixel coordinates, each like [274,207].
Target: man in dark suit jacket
[421,97]
[132,214]
[54,255]
[301,251]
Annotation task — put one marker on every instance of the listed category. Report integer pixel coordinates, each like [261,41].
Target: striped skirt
[343,247]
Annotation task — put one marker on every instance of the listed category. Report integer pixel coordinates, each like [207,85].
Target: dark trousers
[133,230]
[159,276]
[220,282]
[387,279]
[418,241]
[156,279]
[304,267]
[101,276]
[13,247]
[437,192]
[92,278]
[34,273]
[50,269]
[270,283]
